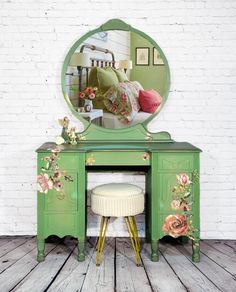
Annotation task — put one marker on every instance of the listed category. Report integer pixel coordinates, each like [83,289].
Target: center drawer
[118,158]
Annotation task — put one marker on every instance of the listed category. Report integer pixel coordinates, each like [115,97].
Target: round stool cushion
[117,200]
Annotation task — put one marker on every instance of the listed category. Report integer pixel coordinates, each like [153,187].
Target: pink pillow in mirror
[149,100]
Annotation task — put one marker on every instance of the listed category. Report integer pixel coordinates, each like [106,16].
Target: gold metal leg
[131,230]
[136,232]
[102,236]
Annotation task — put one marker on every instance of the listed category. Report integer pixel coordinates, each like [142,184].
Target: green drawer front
[175,161]
[118,158]
[65,161]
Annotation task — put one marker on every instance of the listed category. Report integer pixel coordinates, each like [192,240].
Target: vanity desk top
[154,146]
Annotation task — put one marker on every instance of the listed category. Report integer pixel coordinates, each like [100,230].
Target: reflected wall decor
[156,58]
[142,56]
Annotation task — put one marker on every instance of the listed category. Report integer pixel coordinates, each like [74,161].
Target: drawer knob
[146,156]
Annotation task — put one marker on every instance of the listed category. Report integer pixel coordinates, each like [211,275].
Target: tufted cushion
[117,199]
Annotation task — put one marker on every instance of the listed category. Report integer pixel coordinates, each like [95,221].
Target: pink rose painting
[176,225]
[44,183]
[179,223]
[183,179]
[175,204]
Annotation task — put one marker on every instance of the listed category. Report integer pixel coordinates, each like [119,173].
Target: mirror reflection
[116,79]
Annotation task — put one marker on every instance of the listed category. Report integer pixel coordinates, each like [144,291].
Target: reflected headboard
[97,62]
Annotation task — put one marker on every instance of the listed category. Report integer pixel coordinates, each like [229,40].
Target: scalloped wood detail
[115,24]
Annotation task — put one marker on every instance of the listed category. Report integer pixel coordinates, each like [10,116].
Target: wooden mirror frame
[94,132]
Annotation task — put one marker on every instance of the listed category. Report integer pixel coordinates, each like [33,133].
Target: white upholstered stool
[118,200]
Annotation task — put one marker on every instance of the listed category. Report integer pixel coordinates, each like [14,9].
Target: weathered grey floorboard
[129,277]
[15,273]
[43,274]
[221,247]
[223,280]
[227,261]
[175,271]
[230,243]
[161,275]
[72,275]
[13,256]
[6,239]
[19,240]
[189,275]
[101,278]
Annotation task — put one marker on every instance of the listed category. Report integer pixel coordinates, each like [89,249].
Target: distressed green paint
[90,130]
[163,160]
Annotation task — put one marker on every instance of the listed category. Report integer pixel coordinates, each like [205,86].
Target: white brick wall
[198,38]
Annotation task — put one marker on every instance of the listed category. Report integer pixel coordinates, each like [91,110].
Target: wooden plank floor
[19,270]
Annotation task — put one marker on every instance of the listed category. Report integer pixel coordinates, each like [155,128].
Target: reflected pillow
[149,100]
[106,78]
[93,79]
[122,77]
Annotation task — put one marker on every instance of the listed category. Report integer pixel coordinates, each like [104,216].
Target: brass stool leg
[135,232]
[100,233]
[132,239]
[102,236]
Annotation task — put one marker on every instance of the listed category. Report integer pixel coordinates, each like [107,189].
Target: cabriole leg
[41,248]
[155,254]
[196,250]
[81,247]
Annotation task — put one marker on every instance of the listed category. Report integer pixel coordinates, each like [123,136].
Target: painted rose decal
[180,223]
[51,176]
[183,179]
[176,225]
[44,183]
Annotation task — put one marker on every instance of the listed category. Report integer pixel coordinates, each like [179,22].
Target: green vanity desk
[160,160]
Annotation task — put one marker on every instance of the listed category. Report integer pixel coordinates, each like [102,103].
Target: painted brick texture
[198,39]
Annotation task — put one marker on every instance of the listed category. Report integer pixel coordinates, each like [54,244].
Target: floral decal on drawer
[51,176]
[180,222]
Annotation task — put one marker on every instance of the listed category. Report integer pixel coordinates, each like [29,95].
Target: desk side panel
[57,212]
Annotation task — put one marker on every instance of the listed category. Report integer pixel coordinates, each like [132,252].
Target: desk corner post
[81,207]
[154,213]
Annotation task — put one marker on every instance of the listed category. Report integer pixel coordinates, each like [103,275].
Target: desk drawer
[175,161]
[118,158]
[66,160]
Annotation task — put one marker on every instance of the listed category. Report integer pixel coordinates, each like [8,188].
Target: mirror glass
[116,79]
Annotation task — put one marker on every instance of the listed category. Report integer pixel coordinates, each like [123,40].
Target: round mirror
[115,78]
